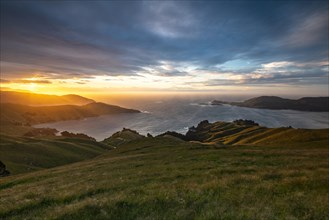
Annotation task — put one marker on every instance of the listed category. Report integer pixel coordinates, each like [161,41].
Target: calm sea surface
[178,115]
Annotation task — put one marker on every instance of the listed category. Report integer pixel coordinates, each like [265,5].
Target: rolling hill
[15,114]
[26,154]
[245,132]
[41,148]
[26,98]
[316,104]
[165,177]
[25,149]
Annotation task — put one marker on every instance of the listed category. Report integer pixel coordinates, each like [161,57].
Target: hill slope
[15,114]
[24,154]
[26,98]
[317,104]
[166,178]
[238,133]
[44,149]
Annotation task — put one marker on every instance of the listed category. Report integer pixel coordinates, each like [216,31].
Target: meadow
[168,178]
[26,154]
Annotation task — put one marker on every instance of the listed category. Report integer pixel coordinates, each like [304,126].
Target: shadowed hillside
[14,114]
[316,104]
[26,98]
[25,149]
[25,154]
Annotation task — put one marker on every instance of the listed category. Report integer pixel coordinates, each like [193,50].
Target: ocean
[178,114]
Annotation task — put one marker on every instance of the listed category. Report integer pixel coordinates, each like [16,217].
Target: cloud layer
[235,42]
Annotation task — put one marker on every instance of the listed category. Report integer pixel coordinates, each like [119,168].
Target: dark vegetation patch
[3,170]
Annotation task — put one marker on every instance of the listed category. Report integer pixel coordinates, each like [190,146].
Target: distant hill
[316,104]
[25,98]
[15,114]
[238,132]
[247,132]
[121,137]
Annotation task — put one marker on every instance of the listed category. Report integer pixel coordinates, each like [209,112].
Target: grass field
[25,154]
[167,178]
[232,134]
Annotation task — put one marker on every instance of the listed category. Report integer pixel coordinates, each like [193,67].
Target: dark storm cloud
[79,39]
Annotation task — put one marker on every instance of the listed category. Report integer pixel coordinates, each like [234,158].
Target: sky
[237,47]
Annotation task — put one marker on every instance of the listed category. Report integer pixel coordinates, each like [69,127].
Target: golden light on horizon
[196,82]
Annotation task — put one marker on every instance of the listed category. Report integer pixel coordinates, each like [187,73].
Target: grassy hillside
[236,134]
[226,171]
[24,154]
[27,98]
[121,137]
[15,114]
[167,178]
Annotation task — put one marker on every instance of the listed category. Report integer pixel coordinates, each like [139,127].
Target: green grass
[23,154]
[232,134]
[166,178]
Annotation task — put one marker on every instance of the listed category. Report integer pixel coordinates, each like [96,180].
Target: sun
[32,87]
